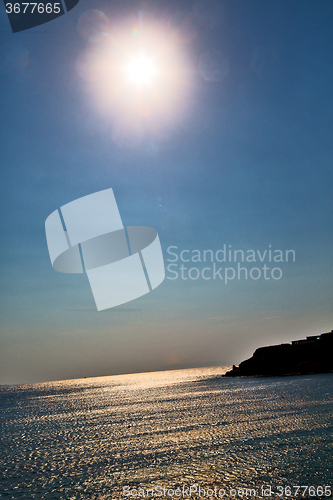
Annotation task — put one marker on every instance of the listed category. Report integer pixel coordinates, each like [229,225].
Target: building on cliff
[311,355]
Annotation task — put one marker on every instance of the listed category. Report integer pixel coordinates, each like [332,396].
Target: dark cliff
[311,355]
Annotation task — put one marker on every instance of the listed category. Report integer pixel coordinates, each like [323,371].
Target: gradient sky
[245,160]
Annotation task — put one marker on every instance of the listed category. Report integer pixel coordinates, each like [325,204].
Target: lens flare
[93,25]
[213,66]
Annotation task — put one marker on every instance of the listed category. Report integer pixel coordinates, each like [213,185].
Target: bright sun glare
[137,73]
[141,70]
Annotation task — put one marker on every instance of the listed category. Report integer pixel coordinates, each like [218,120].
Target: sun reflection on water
[87,438]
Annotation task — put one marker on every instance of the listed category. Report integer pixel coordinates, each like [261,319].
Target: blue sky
[245,161]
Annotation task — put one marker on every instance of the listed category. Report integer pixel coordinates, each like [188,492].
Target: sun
[137,73]
[141,70]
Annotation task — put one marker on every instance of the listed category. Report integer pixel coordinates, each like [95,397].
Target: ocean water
[115,437]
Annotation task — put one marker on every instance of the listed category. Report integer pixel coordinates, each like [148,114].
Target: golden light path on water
[89,438]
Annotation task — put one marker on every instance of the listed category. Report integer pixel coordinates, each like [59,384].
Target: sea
[172,434]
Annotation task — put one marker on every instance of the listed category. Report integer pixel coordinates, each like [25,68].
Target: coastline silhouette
[311,355]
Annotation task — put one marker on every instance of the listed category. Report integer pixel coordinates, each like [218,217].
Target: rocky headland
[307,356]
